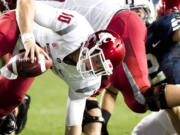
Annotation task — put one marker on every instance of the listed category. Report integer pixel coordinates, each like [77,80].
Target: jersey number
[160,76]
[64,17]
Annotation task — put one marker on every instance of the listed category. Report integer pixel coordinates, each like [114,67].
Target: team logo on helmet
[105,38]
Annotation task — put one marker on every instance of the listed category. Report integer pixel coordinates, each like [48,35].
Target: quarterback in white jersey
[67,32]
[103,14]
[79,57]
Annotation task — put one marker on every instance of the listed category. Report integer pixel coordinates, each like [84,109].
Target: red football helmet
[6,5]
[103,51]
[168,6]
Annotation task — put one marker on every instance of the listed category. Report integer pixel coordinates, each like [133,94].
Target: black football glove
[8,125]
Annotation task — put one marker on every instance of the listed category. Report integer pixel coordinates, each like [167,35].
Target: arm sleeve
[75,111]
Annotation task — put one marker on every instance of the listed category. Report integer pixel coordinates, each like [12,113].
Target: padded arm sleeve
[75,111]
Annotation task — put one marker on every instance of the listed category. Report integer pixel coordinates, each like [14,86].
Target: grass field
[47,111]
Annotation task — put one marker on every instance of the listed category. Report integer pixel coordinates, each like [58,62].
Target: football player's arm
[25,15]
[176,35]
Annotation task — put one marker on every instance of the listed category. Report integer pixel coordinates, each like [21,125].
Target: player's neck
[75,55]
[72,58]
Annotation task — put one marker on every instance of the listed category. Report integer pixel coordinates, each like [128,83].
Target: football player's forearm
[25,15]
[176,36]
[172,94]
[108,99]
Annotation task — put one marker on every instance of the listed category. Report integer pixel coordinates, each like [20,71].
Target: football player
[163,57]
[79,57]
[19,116]
[133,34]
[165,120]
[78,6]
[115,19]
[156,39]
[126,23]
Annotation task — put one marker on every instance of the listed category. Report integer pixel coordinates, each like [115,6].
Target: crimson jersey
[20,85]
[131,78]
[163,62]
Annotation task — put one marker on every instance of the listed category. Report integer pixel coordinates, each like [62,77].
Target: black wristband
[106,115]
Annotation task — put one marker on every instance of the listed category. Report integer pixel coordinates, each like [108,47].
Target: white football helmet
[147,7]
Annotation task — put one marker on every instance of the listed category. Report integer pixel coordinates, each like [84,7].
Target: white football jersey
[62,32]
[97,12]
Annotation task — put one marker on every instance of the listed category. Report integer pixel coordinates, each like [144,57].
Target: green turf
[47,111]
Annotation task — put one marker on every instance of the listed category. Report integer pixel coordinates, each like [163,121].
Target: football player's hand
[32,50]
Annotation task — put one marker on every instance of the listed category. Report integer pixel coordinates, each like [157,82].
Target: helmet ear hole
[96,51]
[117,45]
[91,40]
